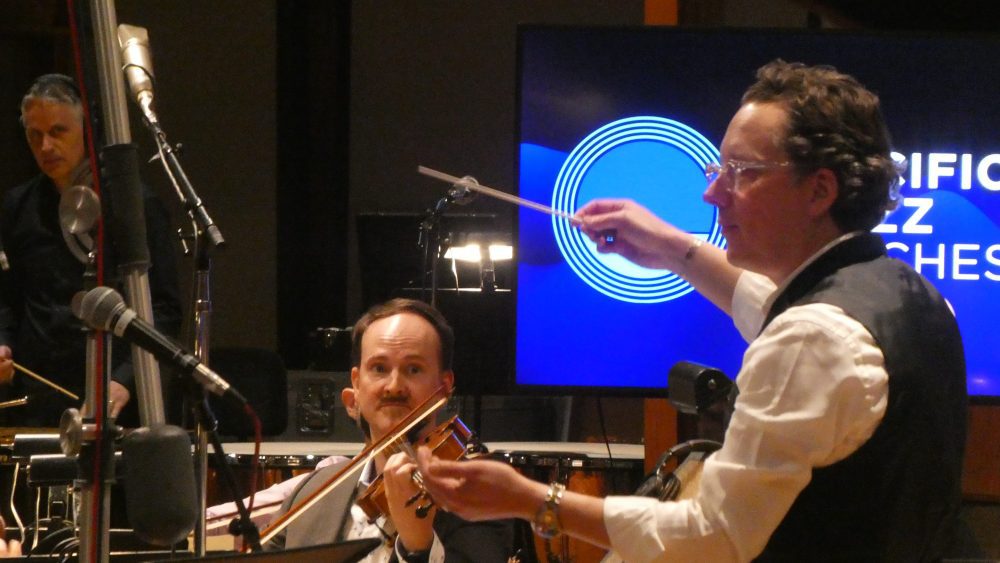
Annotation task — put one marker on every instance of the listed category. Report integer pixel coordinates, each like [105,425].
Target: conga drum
[278,462]
[584,468]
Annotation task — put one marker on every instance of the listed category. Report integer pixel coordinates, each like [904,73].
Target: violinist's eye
[379,368]
[414,369]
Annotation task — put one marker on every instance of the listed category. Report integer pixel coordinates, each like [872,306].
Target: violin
[450,440]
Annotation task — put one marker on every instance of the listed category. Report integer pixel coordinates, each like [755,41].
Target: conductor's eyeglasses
[731,170]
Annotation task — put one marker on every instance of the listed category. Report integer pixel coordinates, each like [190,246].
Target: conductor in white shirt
[847,437]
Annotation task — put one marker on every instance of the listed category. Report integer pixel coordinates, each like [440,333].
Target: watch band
[547,523]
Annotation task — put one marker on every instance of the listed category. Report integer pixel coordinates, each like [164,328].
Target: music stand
[389,255]
[342,552]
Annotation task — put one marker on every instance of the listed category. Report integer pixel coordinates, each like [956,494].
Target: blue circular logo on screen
[655,161]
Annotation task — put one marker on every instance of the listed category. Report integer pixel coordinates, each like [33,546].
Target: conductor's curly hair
[835,123]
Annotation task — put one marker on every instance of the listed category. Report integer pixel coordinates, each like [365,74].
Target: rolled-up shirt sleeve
[813,388]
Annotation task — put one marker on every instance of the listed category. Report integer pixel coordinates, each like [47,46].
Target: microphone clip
[460,193]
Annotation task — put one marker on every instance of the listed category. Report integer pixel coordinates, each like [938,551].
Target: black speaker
[315,411]
[260,376]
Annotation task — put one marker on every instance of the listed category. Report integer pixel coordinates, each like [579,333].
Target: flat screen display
[638,112]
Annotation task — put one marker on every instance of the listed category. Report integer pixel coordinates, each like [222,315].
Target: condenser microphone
[102,308]
[137,62]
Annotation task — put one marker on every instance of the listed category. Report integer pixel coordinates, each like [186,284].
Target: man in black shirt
[41,274]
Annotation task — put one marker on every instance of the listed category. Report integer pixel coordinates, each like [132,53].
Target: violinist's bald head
[446,337]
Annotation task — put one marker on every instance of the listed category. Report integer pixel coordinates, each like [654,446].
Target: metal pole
[117,132]
[202,326]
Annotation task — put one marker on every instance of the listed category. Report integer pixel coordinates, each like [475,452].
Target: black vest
[897,497]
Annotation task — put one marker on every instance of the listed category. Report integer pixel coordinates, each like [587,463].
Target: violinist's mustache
[394,402]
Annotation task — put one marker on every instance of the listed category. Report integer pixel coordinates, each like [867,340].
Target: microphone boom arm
[185,191]
[138,68]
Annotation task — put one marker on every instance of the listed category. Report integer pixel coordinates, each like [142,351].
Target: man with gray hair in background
[41,273]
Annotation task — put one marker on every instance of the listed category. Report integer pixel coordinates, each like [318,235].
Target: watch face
[546,525]
[546,522]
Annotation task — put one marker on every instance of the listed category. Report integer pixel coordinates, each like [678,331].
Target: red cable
[99,391]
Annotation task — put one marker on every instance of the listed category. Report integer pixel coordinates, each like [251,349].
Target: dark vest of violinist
[401,356]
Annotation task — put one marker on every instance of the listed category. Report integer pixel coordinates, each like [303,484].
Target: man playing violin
[401,353]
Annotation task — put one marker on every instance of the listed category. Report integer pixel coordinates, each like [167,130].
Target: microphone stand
[120,157]
[185,191]
[430,242]
[204,419]
[92,442]
[430,232]
[205,237]
[207,425]
[120,172]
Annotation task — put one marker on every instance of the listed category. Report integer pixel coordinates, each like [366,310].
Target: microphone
[137,62]
[102,308]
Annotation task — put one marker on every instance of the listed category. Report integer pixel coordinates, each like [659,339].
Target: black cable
[33,531]
[425,265]
[604,431]
[51,538]
[666,486]
[65,547]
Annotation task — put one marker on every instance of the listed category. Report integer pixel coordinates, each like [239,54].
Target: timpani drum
[584,468]
[278,462]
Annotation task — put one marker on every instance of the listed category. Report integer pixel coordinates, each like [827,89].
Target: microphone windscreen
[160,493]
[97,306]
[122,192]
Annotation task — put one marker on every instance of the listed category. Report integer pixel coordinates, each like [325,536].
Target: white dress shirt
[813,388]
[360,526]
[270,498]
